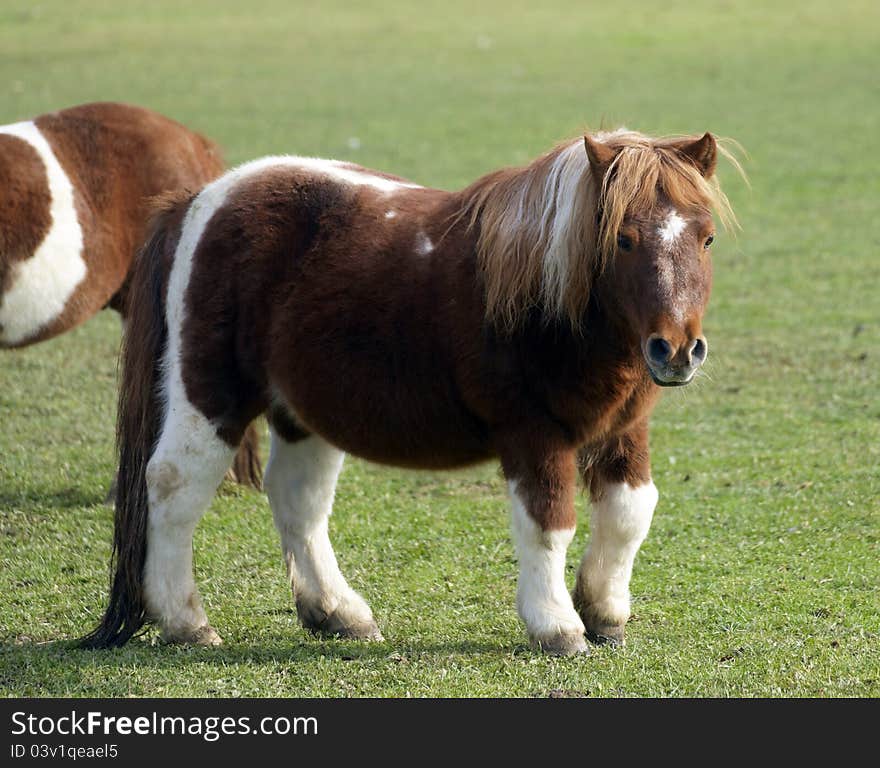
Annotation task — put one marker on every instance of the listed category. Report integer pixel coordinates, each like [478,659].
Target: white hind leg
[182,476]
[300,482]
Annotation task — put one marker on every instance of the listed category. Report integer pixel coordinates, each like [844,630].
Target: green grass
[760,575]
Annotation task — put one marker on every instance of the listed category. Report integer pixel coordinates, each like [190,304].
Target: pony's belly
[417,460]
[399,430]
[435,453]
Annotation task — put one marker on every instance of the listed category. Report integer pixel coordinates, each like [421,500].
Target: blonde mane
[548,229]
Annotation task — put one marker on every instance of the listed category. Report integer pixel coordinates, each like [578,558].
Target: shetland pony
[531,317]
[74,201]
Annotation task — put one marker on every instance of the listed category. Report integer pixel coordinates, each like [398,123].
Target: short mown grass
[761,572]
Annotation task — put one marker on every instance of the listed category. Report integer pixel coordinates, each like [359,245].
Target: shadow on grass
[304,648]
[72,498]
[53,668]
[63,498]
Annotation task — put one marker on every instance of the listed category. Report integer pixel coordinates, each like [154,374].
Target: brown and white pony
[75,187]
[531,317]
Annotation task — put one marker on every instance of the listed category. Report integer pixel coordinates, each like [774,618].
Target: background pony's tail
[246,468]
[139,420]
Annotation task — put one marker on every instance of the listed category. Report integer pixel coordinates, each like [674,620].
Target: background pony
[531,317]
[75,187]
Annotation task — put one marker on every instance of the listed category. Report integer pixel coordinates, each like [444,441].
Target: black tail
[139,420]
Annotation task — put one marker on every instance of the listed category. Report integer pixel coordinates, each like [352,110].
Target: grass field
[761,574]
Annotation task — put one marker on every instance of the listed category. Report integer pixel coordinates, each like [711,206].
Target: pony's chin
[670,382]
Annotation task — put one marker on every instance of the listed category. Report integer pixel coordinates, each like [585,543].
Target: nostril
[659,350]
[699,350]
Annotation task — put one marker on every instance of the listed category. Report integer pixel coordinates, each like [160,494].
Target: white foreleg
[620,521]
[542,600]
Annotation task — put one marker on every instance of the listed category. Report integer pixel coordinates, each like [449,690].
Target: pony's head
[621,216]
[655,229]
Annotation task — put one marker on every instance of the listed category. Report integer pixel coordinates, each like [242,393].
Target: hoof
[561,645]
[606,634]
[204,635]
[337,625]
[599,630]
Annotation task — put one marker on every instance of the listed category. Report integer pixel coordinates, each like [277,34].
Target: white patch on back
[671,229]
[43,284]
[423,244]
[390,214]
[336,170]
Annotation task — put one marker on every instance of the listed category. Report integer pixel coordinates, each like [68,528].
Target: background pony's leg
[300,482]
[182,476]
[543,522]
[623,499]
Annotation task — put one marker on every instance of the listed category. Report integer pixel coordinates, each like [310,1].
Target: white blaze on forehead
[390,214]
[669,233]
[423,244]
[666,276]
[43,284]
[671,228]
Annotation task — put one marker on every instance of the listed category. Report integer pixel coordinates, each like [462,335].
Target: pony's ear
[703,152]
[600,155]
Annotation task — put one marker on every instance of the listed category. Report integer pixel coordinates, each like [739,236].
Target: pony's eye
[709,241]
[624,243]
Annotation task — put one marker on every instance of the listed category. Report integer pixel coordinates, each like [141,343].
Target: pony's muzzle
[672,365]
